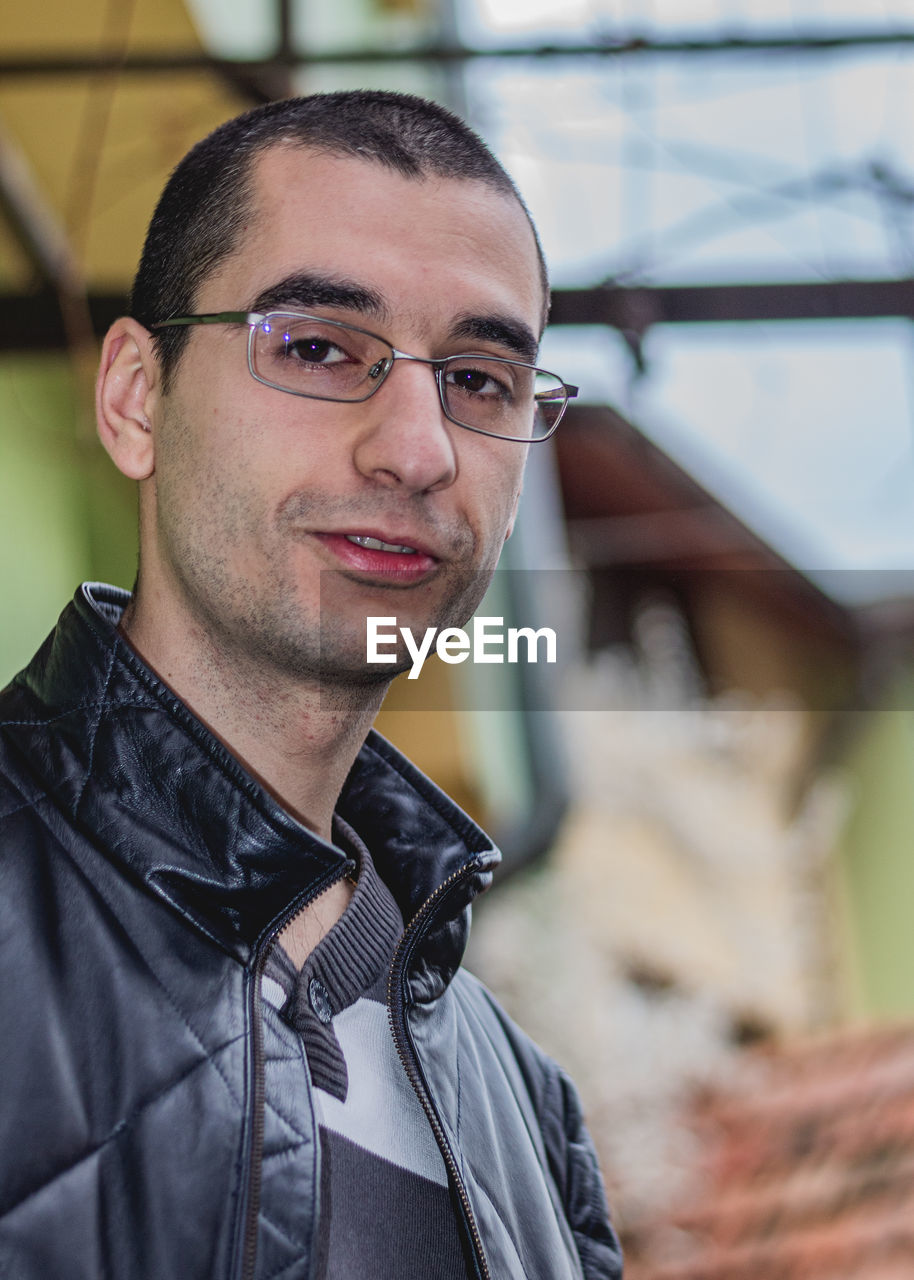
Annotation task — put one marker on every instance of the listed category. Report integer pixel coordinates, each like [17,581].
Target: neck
[297,738]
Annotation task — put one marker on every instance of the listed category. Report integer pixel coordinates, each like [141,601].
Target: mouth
[370,556]
[375,544]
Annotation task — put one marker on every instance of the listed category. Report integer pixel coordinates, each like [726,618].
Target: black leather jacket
[155,1124]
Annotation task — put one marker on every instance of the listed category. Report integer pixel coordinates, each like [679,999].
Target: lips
[393,558]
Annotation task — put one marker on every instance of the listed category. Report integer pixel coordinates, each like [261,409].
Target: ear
[125,394]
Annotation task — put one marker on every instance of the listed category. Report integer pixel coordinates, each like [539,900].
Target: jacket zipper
[255,1163]
[396,1016]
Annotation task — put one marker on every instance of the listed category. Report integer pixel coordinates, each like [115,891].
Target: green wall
[876,861]
[66,514]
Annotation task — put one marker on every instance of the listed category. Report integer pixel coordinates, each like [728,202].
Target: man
[236,1038]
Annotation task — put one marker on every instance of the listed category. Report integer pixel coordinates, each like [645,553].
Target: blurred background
[708,817]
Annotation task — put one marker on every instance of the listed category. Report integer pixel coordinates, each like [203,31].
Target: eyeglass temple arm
[213,317]
[569,389]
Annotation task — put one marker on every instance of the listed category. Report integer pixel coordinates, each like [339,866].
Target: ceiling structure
[84,154]
[93,118]
[99,101]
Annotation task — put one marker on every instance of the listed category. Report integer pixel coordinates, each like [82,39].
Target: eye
[486,379]
[312,349]
[313,357]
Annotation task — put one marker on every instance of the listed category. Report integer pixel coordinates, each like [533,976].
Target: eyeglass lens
[327,360]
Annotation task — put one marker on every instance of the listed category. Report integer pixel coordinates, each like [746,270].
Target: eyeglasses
[324,359]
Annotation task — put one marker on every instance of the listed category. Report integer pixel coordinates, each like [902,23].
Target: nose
[406,442]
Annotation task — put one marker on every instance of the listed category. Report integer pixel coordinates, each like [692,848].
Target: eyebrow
[311,290]
[507,332]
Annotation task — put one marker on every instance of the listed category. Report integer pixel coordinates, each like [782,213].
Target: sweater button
[320,1000]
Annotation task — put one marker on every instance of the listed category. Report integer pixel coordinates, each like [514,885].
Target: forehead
[426,245]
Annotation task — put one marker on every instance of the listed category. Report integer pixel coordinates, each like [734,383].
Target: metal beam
[266,83]
[635,309]
[167,62]
[47,247]
[33,222]
[31,321]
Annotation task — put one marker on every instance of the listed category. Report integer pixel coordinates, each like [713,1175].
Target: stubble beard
[334,652]
[343,644]
[273,638]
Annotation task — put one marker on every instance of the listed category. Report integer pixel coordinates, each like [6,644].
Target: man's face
[256,517]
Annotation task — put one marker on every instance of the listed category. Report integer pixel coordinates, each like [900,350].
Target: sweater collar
[176,811]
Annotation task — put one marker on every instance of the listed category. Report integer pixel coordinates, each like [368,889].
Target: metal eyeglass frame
[253,319]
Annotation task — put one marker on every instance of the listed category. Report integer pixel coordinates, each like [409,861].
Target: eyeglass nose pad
[379,368]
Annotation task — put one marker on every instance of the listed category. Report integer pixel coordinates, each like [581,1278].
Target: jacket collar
[176,811]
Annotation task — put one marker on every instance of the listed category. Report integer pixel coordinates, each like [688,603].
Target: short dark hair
[208,198]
